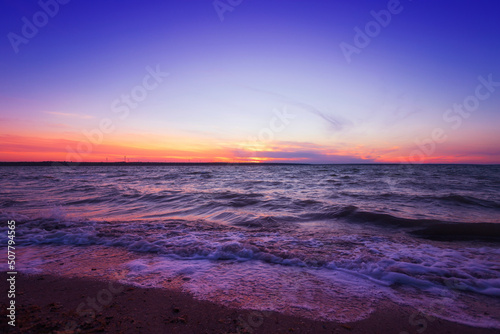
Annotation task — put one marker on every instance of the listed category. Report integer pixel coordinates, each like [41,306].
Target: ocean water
[320,241]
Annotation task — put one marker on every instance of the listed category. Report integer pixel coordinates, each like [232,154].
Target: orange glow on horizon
[23,148]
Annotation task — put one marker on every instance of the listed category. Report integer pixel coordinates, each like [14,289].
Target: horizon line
[138,163]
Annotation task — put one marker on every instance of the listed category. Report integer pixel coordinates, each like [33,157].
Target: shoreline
[57,304]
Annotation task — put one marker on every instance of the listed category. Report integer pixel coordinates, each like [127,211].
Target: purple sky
[253,81]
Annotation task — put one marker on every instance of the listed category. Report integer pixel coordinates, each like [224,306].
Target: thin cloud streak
[336,123]
[69,115]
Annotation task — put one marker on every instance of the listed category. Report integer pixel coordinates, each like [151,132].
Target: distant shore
[52,304]
[137,163]
[123,163]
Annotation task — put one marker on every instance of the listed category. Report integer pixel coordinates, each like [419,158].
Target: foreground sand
[48,304]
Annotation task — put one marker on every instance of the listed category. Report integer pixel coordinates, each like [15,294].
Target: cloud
[69,115]
[313,157]
[336,123]
[302,152]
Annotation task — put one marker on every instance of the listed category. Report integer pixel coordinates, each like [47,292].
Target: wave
[305,203]
[460,231]
[425,228]
[6,203]
[385,219]
[238,200]
[453,199]
[330,213]
[202,174]
[179,242]
[83,188]
[352,214]
[469,200]
[163,196]
[260,222]
[88,200]
[377,259]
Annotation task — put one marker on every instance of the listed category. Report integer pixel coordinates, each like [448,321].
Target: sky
[316,81]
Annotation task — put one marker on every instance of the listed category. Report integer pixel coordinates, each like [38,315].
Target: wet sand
[52,304]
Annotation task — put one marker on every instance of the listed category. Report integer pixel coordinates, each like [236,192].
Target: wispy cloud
[336,122]
[80,116]
[303,152]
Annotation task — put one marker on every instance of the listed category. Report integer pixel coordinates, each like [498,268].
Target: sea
[327,242]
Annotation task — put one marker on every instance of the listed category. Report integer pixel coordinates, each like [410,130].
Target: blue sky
[228,79]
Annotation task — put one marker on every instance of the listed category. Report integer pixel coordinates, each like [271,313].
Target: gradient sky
[228,80]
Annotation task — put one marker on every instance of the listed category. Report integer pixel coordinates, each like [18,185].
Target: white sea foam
[385,260]
[328,293]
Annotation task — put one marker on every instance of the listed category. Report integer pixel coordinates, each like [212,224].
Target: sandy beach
[51,304]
